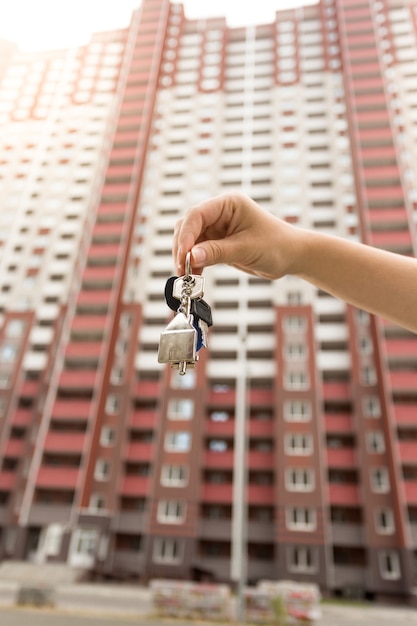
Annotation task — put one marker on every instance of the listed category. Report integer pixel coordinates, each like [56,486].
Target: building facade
[289,452]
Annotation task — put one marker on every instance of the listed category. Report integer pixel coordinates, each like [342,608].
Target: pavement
[82,604]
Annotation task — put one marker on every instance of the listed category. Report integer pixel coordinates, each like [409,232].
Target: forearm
[375,280]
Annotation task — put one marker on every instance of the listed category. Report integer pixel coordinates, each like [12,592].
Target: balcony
[338,424]
[78,380]
[404,382]
[336,391]
[344,495]
[405,414]
[134,486]
[146,389]
[71,409]
[220,429]
[138,451]
[85,350]
[52,477]
[410,490]
[90,298]
[219,567]
[117,190]
[395,240]
[381,218]
[341,458]
[30,388]
[14,448]
[258,459]
[217,494]
[99,274]
[89,323]
[402,348]
[222,398]
[100,251]
[261,494]
[107,232]
[218,460]
[21,417]
[261,428]
[217,529]
[347,534]
[109,211]
[128,561]
[43,514]
[349,576]
[7,480]
[65,442]
[143,420]
[129,522]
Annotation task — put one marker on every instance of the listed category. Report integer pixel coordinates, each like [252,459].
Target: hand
[233,229]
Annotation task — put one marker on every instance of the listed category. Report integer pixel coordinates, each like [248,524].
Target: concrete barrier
[282,603]
[195,601]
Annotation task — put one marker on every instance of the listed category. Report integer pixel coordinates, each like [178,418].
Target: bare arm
[233,229]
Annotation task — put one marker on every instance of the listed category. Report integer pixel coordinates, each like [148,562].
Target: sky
[49,24]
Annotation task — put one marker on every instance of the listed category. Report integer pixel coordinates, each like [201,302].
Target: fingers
[207,219]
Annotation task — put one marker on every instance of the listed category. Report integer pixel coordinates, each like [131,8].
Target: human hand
[233,229]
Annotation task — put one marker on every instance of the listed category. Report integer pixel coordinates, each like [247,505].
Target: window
[171,512]
[296,351]
[86,542]
[219,416]
[180,409]
[112,404]
[301,518]
[15,328]
[294,323]
[296,380]
[8,352]
[375,442]
[174,475]
[297,411]
[389,565]
[167,551]
[379,480]
[97,502]
[384,521]
[53,540]
[183,382]
[218,445]
[302,559]
[107,436]
[299,479]
[178,441]
[372,406]
[298,444]
[368,375]
[102,469]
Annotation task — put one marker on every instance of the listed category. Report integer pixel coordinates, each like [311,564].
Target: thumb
[209,253]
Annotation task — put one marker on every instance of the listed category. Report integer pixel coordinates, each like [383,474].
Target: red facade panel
[57,477]
[341,457]
[65,442]
[344,495]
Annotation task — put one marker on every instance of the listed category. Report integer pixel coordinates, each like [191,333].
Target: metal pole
[239,513]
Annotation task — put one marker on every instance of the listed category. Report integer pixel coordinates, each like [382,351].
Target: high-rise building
[290,450]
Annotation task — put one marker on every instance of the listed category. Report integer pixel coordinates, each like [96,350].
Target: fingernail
[199,256]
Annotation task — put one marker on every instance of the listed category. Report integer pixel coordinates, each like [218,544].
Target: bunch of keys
[187,332]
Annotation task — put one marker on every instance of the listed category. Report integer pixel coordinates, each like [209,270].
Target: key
[194,282]
[202,311]
[202,320]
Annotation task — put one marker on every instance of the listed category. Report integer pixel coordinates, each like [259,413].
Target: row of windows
[300,559]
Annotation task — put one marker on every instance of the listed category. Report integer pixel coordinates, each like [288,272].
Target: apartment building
[288,452]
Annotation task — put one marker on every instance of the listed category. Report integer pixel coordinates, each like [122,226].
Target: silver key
[196,284]
[178,344]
